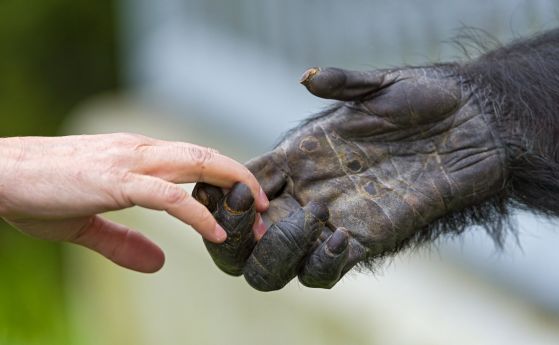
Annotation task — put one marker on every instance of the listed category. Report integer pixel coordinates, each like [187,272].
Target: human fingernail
[259,227]
[264,199]
[219,233]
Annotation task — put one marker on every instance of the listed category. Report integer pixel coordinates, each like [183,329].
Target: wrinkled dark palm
[404,148]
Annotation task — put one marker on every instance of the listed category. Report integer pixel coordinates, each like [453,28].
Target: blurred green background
[223,73]
[53,55]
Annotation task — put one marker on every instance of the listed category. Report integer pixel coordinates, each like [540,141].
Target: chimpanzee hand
[404,148]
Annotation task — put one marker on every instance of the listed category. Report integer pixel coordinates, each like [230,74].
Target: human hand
[54,188]
[404,148]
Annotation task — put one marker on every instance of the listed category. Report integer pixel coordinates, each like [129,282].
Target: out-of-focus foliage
[32,308]
[53,54]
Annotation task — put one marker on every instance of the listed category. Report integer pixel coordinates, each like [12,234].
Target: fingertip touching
[261,201]
[206,225]
[260,198]
[155,193]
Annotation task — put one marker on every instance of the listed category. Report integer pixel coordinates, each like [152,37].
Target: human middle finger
[183,163]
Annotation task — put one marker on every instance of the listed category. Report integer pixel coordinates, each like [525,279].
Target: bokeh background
[224,74]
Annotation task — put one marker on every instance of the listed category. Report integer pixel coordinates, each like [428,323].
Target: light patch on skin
[375,190]
[309,144]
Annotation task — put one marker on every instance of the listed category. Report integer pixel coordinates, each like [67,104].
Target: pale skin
[55,188]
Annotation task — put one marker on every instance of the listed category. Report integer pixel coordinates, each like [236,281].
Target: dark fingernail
[338,242]
[308,75]
[207,195]
[318,210]
[239,199]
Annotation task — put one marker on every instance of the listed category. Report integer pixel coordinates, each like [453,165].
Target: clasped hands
[401,149]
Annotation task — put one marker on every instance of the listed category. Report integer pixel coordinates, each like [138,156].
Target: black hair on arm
[520,84]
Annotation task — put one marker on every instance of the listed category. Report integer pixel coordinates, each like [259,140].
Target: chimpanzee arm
[406,155]
[519,84]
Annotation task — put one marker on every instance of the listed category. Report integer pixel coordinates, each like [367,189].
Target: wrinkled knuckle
[120,183]
[129,138]
[123,177]
[115,175]
[200,156]
[141,148]
[173,195]
[122,149]
[126,142]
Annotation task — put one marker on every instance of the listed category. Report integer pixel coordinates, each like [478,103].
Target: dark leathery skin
[404,148]
[275,261]
[387,166]
[236,214]
[323,268]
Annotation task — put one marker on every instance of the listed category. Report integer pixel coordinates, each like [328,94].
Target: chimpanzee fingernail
[219,233]
[308,75]
[207,195]
[337,242]
[239,199]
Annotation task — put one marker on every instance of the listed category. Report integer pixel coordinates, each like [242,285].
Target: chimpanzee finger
[278,255]
[208,195]
[323,268]
[269,169]
[343,85]
[236,214]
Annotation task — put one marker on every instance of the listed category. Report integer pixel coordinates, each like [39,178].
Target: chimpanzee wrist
[517,84]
